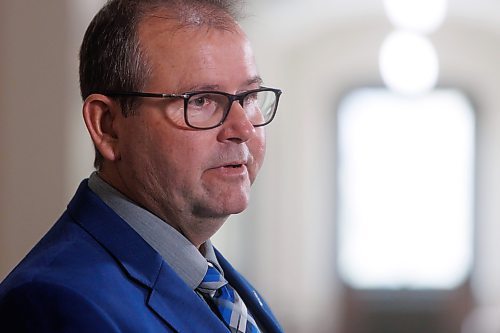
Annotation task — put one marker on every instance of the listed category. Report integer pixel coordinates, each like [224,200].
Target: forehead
[181,56]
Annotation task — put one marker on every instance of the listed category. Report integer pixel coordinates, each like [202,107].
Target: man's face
[180,173]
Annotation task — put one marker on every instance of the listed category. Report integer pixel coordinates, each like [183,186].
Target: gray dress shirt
[177,251]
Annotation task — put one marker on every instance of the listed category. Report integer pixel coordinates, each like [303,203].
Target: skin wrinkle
[196,18]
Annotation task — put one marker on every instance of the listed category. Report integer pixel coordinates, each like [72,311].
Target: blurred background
[376,210]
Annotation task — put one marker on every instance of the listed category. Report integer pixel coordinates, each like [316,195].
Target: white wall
[44,151]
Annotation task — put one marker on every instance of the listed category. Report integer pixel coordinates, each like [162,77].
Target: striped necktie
[228,303]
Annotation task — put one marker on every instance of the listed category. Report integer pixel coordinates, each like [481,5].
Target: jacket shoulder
[38,306]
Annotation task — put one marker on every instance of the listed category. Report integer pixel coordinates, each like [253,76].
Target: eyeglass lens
[208,109]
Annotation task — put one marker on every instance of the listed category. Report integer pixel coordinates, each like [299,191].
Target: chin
[222,209]
[238,210]
[237,203]
[233,208]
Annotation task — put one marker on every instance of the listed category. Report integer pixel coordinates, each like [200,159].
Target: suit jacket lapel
[170,298]
[254,302]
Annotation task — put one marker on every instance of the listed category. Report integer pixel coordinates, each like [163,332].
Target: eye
[252,97]
[199,101]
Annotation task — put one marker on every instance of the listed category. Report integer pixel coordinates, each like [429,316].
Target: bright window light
[405,189]
[408,63]
[422,16]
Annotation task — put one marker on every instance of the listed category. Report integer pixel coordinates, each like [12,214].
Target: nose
[237,127]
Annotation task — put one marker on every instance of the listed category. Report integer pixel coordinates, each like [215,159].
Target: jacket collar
[169,296]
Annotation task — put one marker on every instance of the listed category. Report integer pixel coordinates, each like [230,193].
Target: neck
[197,228]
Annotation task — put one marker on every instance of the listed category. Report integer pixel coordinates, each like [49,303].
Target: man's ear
[99,113]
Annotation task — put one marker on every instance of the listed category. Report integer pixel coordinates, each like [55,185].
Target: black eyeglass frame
[187,96]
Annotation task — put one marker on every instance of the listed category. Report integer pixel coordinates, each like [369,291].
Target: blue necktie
[227,302]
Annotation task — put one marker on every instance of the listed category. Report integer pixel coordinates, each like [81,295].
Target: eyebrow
[215,87]
[255,80]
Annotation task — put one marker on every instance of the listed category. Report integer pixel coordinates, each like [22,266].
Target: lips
[230,169]
[232,160]
[233,165]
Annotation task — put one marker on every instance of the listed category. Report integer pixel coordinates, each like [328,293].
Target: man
[174,105]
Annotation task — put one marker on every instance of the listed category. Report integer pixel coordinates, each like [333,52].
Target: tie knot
[212,281]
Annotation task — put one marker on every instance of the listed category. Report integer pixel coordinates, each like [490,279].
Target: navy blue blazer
[93,273]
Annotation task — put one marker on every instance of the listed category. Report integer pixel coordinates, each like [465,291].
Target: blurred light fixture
[423,16]
[408,63]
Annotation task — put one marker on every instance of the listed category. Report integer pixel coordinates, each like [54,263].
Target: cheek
[133,141]
[181,157]
[146,145]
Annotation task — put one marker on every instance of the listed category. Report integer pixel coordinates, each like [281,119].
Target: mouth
[233,166]
[235,170]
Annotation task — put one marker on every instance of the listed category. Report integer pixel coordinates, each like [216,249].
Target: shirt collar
[177,251]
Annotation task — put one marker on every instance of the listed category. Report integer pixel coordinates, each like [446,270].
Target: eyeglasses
[209,109]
